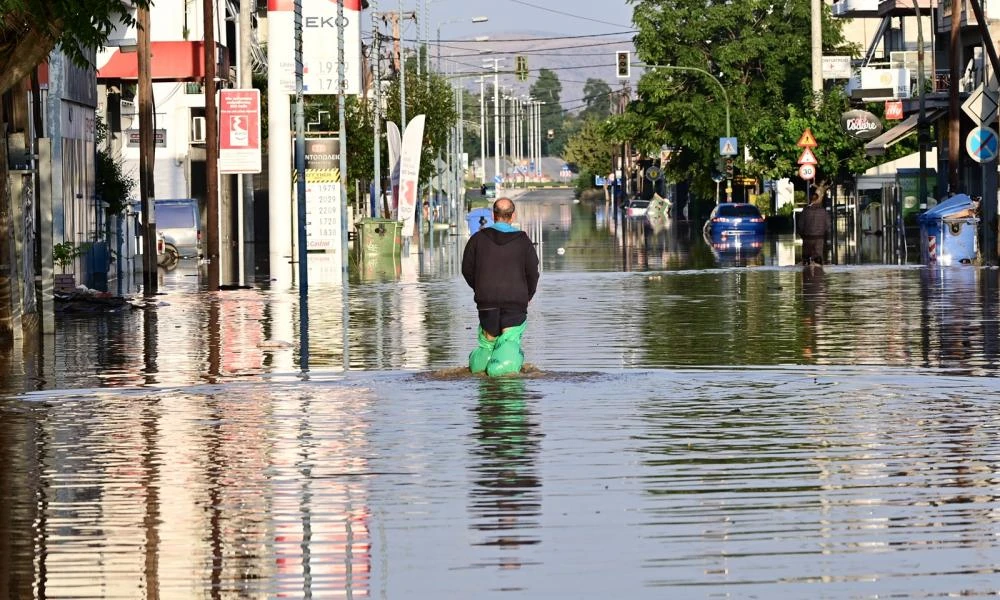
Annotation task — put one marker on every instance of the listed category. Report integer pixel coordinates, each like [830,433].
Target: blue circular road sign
[982,144]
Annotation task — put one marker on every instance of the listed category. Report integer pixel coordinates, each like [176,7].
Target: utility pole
[147,150]
[496,117]
[245,249]
[817,47]
[211,149]
[341,107]
[954,115]
[482,127]
[921,118]
[377,133]
[402,72]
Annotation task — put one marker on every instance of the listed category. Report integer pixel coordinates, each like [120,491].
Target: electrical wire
[559,12]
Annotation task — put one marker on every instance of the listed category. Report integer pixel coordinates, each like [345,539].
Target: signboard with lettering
[132,138]
[893,110]
[836,67]
[861,124]
[322,162]
[320,55]
[239,125]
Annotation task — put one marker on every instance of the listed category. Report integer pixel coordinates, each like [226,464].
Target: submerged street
[696,422]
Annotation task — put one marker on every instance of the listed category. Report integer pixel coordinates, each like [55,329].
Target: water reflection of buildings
[505,500]
[247,492]
[239,488]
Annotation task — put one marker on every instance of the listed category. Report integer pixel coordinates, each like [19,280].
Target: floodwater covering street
[695,422]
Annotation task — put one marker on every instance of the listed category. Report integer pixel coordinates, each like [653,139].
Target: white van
[178,227]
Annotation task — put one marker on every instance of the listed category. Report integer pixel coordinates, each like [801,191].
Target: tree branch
[31,50]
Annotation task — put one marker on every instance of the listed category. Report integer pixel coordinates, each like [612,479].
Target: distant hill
[573,60]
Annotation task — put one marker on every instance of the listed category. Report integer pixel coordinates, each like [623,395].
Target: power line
[541,51]
[565,14]
[533,39]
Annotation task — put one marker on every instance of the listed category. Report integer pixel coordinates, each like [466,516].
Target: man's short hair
[500,209]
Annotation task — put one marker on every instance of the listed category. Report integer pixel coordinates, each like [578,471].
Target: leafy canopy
[758,50]
[31,29]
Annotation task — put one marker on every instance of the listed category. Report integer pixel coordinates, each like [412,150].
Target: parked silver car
[178,230]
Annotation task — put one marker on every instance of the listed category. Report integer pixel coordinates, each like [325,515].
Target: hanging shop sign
[861,124]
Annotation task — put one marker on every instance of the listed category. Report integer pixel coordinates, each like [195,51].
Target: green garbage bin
[379,237]
[475,203]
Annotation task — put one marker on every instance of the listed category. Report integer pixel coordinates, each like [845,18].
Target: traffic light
[729,168]
[624,64]
[521,68]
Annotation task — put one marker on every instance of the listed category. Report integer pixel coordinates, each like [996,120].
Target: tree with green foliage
[757,50]
[547,89]
[428,94]
[111,183]
[31,29]
[775,154]
[436,100]
[590,149]
[470,110]
[597,96]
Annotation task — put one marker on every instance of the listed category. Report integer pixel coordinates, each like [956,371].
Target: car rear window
[171,216]
[738,210]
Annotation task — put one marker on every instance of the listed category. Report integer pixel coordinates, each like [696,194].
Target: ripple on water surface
[768,483]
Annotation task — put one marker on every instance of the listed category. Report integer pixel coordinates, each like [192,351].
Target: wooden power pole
[147,150]
[211,150]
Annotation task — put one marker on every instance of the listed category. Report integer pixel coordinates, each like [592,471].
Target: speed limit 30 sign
[807,171]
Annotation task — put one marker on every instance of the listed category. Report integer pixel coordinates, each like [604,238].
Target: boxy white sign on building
[894,82]
[836,67]
[320,55]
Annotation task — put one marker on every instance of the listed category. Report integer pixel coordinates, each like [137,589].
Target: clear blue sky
[567,17]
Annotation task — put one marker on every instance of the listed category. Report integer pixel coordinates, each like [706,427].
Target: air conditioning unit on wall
[197,130]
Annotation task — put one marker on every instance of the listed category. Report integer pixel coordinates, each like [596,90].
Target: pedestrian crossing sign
[808,140]
[727,146]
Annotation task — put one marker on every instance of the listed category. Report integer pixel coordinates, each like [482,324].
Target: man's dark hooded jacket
[813,221]
[502,268]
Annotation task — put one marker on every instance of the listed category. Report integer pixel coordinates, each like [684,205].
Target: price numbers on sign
[323,216]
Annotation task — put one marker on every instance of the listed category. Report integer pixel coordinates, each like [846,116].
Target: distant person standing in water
[812,224]
[501,266]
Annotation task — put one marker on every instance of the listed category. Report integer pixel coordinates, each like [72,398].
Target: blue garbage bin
[479,218]
[949,235]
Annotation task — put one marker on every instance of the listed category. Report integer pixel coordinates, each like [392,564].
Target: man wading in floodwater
[501,266]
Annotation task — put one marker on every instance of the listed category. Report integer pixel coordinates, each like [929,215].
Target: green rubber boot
[480,357]
[507,356]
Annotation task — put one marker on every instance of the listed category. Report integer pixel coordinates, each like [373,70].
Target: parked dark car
[735,219]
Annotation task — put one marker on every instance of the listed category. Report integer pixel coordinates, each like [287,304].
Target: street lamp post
[496,117]
[473,20]
[482,127]
[729,182]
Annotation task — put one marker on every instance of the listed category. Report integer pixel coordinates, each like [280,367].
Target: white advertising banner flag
[320,54]
[409,172]
[394,141]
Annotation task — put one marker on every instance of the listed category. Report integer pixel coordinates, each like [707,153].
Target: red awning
[171,61]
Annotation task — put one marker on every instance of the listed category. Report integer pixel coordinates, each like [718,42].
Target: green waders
[500,356]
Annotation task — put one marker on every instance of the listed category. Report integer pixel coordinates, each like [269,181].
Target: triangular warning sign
[728,149]
[807,140]
[807,158]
